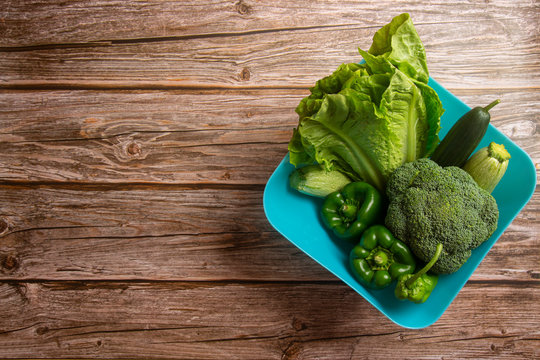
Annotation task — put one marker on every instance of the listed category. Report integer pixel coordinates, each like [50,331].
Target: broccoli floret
[429,204]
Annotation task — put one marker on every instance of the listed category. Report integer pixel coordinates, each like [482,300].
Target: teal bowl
[296,217]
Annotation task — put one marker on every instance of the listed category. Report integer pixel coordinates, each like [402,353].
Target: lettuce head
[368,119]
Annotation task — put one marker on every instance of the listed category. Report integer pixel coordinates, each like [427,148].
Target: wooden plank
[179,137]
[178,234]
[34,22]
[265,321]
[284,59]
[158,137]
[160,234]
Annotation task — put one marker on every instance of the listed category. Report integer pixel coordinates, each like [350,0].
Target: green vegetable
[309,105]
[396,44]
[331,84]
[352,210]
[379,258]
[315,180]
[463,137]
[430,204]
[399,44]
[488,165]
[418,287]
[367,119]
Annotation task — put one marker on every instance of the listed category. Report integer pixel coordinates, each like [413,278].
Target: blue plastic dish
[296,217]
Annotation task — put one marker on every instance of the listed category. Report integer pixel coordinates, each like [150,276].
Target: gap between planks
[164,85]
[133,85]
[126,186]
[153,39]
[101,283]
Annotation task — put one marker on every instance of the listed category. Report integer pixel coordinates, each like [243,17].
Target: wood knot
[134,149]
[242,8]
[10,262]
[226,175]
[129,149]
[42,330]
[298,325]
[245,74]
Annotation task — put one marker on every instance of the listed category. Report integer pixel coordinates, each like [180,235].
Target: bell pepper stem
[426,268]
[349,211]
[380,258]
[490,106]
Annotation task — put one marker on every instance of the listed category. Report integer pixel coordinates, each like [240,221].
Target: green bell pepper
[351,210]
[418,287]
[379,258]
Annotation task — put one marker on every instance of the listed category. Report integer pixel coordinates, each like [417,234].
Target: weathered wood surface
[135,141]
[78,21]
[179,136]
[179,234]
[160,137]
[193,320]
[288,59]
[239,44]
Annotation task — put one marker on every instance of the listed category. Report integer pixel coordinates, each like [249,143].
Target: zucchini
[315,180]
[488,165]
[463,137]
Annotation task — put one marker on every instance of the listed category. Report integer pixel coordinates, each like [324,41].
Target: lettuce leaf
[367,119]
[399,43]
[331,84]
[434,111]
[369,139]
[308,106]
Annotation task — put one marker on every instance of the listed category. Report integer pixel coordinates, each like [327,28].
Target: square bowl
[296,217]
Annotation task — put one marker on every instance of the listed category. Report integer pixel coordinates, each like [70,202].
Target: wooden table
[136,140]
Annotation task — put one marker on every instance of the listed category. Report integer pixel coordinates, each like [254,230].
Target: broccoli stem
[426,268]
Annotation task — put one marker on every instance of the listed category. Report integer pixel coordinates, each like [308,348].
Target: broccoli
[429,204]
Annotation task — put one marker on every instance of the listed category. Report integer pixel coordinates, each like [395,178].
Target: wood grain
[34,22]
[284,59]
[135,142]
[273,321]
[179,137]
[178,234]
[157,137]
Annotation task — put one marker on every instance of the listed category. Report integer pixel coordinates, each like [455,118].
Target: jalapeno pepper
[379,258]
[418,287]
[351,210]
